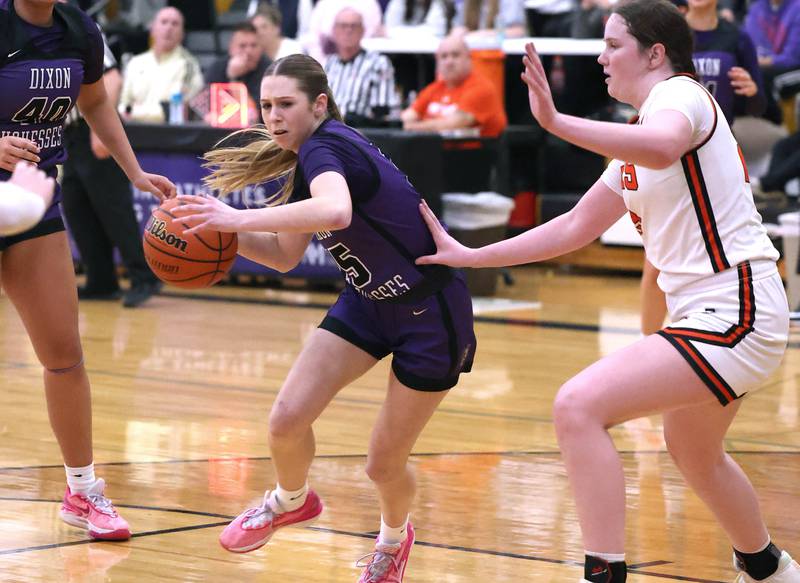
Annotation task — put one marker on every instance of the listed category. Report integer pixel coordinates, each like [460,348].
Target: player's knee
[571,410]
[382,469]
[286,423]
[690,455]
[63,362]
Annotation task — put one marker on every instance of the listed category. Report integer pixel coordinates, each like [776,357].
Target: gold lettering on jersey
[44,138]
[158,229]
[389,289]
[51,78]
[323,234]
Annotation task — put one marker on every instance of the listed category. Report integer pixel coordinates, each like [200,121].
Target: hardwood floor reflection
[182,390]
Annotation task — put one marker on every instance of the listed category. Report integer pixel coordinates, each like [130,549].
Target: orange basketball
[196,260]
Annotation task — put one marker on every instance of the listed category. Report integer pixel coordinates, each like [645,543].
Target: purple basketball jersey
[387,233]
[41,76]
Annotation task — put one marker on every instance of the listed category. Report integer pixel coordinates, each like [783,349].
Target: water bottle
[176,108]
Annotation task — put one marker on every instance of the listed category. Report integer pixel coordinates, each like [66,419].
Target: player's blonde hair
[250,156]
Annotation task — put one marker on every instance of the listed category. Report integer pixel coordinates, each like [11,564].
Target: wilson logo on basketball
[158,229]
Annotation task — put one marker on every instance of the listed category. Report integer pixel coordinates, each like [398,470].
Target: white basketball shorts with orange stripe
[732,327]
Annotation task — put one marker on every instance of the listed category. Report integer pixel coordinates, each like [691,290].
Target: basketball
[191,261]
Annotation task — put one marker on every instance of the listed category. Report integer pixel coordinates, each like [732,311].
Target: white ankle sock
[607,557]
[290,499]
[81,479]
[392,535]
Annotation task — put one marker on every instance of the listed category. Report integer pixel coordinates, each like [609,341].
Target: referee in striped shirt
[98,205]
[362,81]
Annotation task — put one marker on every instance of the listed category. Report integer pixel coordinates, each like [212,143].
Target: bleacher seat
[202,41]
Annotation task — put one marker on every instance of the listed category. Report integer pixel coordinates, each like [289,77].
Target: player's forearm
[265,248]
[637,144]
[306,216]
[552,239]
[104,121]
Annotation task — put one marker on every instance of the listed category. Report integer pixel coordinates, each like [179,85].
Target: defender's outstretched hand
[539,95]
[206,212]
[448,250]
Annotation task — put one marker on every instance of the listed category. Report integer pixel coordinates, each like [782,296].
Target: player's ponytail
[250,156]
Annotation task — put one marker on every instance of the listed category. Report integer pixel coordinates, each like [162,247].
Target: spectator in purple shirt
[774,26]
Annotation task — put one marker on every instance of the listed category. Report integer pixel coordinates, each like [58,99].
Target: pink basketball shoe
[94,512]
[254,527]
[388,563]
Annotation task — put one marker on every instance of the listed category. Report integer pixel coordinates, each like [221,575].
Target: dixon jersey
[387,233]
[41,73]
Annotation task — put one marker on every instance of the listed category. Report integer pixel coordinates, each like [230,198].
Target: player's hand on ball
[448,250]
[157,185]
[206,212]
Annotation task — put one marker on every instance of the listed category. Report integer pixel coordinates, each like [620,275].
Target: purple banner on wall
[186,172]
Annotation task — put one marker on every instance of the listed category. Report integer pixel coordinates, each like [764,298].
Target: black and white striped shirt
[109,62]
[362,84]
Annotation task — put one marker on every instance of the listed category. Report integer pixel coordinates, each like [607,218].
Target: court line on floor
[506,453]
[486,552]
[576,327]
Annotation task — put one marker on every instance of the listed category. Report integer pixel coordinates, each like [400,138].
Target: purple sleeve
[789,58]
[93,67]
[753,26]
[748,60]
[316,158]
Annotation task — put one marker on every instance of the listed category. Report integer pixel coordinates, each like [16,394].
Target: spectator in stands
[245,63]
[419,17]
[549,17]
[459,98]
[126,23]
[167,68]
[316,24]
[726,61]
[267,22]
[488,17]
[774,26]
[362,81]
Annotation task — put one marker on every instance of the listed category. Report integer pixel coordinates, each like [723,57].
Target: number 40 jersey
[41,73]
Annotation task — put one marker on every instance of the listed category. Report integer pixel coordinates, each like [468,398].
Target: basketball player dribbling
[364,211]
[680,174]
[51,58]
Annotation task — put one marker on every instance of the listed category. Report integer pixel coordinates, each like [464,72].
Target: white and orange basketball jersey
[696,217]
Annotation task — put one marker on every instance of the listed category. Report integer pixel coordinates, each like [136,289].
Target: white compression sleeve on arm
[19,209]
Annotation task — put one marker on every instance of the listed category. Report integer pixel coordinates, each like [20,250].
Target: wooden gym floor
[182,388]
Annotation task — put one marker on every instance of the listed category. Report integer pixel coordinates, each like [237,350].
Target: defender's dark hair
[659,21]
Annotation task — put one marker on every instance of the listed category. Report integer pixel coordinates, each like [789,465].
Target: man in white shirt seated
[166,69]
